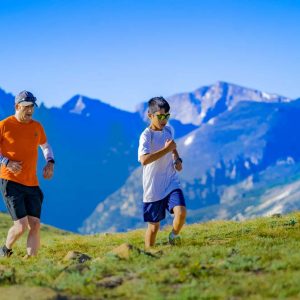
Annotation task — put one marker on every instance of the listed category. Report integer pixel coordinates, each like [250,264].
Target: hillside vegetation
[254,259]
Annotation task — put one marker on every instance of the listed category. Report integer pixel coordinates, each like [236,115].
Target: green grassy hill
[255,259]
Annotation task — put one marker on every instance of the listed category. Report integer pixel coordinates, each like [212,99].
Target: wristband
[178,159]
[4,160]
[51,161]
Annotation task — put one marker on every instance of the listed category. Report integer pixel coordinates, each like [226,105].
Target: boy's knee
[153,227]
[180,212]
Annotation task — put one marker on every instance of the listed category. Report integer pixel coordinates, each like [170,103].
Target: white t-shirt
[159,177]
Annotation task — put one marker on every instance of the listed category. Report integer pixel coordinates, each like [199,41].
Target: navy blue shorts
[156,211]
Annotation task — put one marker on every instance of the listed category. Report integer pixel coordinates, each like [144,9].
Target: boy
[160,160]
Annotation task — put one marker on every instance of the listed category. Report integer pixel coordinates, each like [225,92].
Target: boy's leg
[150,235]
[154,212]
[179,218]
[176,206]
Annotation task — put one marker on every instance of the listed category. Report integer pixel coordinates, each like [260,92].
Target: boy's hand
[178,165]
[170,145]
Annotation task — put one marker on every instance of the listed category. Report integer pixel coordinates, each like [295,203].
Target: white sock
[173,235]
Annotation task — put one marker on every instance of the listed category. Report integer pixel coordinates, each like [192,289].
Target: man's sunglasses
[163,117]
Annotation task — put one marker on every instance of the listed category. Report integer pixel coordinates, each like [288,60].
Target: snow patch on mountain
[79,106]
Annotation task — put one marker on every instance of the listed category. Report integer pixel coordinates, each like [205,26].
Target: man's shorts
[156,211]
[21,200]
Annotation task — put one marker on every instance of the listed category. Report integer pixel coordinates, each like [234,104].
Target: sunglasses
[163,117]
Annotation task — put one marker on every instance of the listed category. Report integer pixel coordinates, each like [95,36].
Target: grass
[254,259]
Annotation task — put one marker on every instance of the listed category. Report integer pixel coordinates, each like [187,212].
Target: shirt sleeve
[170,130]
[144,144]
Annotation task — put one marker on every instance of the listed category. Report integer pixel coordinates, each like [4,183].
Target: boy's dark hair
[157,103]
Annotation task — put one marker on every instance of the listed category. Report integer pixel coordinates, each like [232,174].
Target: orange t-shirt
[20,141]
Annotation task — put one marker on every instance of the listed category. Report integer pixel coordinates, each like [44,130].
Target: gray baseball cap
[25,98]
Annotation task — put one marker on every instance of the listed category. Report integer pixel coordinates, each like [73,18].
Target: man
[20,137]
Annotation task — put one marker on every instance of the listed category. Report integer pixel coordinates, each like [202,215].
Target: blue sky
[124,51]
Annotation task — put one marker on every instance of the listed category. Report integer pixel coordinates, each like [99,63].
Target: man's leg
[13,195]
[33,203]
[179,218]
[33,240]
[150,235]
[16,231]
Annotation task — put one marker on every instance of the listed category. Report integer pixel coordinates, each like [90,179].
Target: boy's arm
[177,160]
[151,157]
[175,154]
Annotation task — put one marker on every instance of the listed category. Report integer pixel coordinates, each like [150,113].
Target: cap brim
[27,103]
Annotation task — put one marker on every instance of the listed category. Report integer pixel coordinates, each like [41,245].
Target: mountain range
[233,162]
[235,142]
[95,147]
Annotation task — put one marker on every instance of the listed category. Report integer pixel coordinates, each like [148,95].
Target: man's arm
[3,160]
[13,166]
[47,152]
[49,157]
[146,159]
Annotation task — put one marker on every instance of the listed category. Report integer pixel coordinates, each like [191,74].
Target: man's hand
[48,170]
[170,145]
[14,166]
